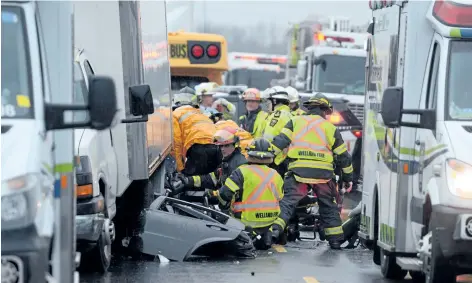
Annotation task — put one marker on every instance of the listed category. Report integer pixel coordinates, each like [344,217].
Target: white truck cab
[37,144]
[417,198]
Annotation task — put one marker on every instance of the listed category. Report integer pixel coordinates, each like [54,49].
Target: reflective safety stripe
[312,126]
[197,181]
[222,201]
[231,185]
[340,149]
[287,132]
[348,169]
[334,231]
[310,164]
[213,178]
[186,115]
[244,206]
[253,202]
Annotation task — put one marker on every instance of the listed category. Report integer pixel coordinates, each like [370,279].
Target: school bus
[196,58]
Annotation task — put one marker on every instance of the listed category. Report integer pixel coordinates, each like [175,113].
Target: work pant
[328,208]
[202,159]
[265,240]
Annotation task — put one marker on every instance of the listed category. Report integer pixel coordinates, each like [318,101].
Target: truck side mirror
[141,103]
[320,61]
[102,107]
[391,107]
[392,111]
[301,69]
[102,102]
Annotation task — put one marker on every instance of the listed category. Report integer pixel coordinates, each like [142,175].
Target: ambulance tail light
[453,14]
[335,118]
[459,178]
[357,133]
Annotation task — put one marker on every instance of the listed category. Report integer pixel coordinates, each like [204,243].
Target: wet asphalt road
[306,261]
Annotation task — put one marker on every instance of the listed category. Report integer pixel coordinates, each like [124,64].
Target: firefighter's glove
[277,230]
[347,187]
[186,180]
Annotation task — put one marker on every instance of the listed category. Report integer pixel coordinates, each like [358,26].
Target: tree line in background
[262,38]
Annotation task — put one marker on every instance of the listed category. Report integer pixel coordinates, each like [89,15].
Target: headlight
[18,201]
[459,178]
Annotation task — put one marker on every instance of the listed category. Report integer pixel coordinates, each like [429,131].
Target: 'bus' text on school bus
[196,58]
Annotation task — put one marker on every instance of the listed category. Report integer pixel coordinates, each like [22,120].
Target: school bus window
[179,82]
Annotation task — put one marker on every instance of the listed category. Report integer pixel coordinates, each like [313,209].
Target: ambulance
[417,190]
[254,69]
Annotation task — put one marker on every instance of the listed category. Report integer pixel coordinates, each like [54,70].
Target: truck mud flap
[178,230]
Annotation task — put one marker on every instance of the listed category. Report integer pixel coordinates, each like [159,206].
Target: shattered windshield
[340,74]
[17,98]
[459,89]
[259,79]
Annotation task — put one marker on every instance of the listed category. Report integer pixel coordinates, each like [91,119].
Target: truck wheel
[389,266]
[99,257]
[440,270]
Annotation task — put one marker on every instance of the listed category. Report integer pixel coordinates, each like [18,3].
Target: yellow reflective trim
[213,178]
[287,132]
[348,169]
[222,201]
[310,164]
[197,181]
[340,149]
[334,230]
[231,185]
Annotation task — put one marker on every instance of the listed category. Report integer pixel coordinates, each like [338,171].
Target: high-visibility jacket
[311,142]
[245,138]
[253,191]
[254,122]
[274,125]
[191,127]
[298,112]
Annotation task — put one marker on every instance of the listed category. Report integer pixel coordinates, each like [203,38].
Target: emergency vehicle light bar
[322,37]
[262,60]
[453,14]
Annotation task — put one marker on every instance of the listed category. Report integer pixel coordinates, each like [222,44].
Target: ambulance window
[392,72]
[433,78]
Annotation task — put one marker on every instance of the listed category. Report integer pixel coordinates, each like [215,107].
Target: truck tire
[98,259]
[440,271]
[389,267]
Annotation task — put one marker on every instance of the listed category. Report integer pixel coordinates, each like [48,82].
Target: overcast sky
[248,13]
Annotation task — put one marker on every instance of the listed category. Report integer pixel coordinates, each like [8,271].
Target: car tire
[389,267]
[440,271]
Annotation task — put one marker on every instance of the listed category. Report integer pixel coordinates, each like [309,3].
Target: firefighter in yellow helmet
[253,192]
[312,143]
[204,93]
[254,120]
[194,151]
[276,121]
[294,98]
[228,143]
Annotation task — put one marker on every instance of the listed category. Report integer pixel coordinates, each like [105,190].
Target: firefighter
[254,119]
[193,137]
[253,192]
[225,107]
[276,121]
[312,144]
[294,98]
[228,142]
[204,94]
[245,138]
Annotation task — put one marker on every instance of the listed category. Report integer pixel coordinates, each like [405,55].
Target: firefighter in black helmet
[253,191]
[312,143]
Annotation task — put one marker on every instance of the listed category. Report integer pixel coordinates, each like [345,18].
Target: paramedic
[255,119]
[253,192]
[312,141]
[193,137]
[228,142]
[294,98]
[275,123]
